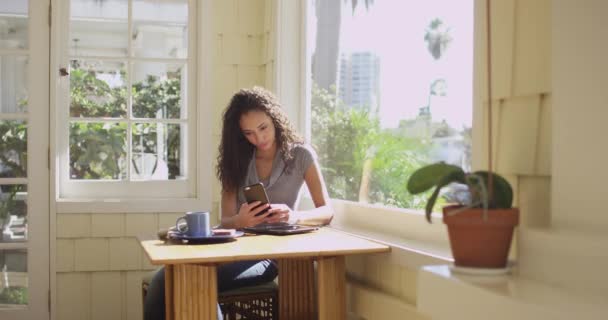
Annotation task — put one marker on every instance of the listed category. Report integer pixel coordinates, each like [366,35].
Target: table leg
[168,292]
[296,289]
[332,288]
[194,292]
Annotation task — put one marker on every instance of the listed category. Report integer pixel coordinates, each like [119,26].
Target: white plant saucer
[483,271]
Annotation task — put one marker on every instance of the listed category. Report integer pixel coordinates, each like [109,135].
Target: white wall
[580,111]
[573,252]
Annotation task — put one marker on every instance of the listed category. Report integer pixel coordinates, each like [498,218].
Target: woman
[258,145]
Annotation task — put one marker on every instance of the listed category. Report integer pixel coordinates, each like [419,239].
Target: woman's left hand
[278,213]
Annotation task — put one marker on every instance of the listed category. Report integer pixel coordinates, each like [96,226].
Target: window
[390,91]
[127,118]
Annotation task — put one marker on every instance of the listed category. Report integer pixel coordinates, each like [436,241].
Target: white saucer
[212,238]
[483,271]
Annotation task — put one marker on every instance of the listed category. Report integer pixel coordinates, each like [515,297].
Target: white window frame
[293,55]
[391,225]
[192,193]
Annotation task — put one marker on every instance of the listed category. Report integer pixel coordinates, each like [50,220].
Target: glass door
[24,170]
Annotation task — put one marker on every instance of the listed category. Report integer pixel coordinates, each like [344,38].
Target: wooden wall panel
[370,303]
[532,57]
[545,141]
[225,16]
[106,296]
[518,135]
[480,144]
[251,17]
[503,12]
[535,201]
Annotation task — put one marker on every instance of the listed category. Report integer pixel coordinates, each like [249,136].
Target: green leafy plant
[342,136]
[13,160]
[9,204]
[92,97]
[476,194]
[348,138]
[13,148]
[14,295]
[99,150]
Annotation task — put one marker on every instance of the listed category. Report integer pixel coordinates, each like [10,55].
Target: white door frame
[37,245]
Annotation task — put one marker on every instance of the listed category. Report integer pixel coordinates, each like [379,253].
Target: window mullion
[13,181]
[14,116]
[140,59]
[88,119]
[129,80]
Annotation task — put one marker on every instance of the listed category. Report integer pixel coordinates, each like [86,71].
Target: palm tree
[325,58]
[438,38]
[368,3]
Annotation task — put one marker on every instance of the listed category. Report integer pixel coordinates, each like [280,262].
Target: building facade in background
[359,81]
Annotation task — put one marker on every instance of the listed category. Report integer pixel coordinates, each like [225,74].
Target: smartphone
[256,192]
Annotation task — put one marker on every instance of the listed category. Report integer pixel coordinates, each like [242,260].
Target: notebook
[280,229]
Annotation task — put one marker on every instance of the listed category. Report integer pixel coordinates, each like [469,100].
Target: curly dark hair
[234,150]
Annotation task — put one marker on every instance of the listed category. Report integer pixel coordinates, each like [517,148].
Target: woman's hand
[278,213]
[246,217]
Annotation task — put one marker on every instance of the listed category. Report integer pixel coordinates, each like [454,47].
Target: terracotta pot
[477,243]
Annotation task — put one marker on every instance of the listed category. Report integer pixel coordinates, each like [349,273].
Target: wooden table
[191,280]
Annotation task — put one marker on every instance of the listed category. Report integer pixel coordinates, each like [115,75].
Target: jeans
[229,276]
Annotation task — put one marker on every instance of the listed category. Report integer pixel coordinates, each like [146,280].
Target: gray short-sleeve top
[286,179]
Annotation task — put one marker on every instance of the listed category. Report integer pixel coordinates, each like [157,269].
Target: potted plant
[481,222]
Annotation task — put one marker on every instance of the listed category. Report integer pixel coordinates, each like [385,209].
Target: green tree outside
[99,150]
[13,164]
[14,295]
[347,138]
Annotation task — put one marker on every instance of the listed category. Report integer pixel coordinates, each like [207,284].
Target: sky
[395,31]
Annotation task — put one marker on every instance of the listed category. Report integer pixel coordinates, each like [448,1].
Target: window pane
[157,90]
[13,149]
[98,89]
[157,151]
[384,103]
[99,28]
[13,84]
[14,24]
[160,28]
[98,150]
[14,280]
[167,11]
[13,213]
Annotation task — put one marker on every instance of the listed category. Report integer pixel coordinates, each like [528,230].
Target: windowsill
[408,253]
[443,294]
[131,205]
[414,242]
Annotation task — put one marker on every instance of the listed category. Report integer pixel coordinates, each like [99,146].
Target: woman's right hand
[246,217]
